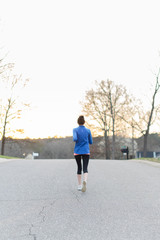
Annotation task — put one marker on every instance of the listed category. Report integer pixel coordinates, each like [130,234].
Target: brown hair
[81,120]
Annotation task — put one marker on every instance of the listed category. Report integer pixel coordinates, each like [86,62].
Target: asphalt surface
[39,201]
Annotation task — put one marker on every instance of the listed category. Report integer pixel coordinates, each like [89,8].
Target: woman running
[82,138]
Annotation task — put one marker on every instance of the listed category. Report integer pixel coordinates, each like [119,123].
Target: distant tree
[104,105]
[11,105]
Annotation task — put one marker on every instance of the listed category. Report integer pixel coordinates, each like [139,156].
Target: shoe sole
[84,187]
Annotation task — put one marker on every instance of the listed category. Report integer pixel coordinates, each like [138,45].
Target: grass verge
[149,159]
[8,157]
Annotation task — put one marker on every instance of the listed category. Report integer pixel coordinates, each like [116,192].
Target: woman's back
[82,137]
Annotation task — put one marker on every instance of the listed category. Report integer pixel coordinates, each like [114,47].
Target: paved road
[39,201]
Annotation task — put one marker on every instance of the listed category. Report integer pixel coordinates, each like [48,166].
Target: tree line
[51,148]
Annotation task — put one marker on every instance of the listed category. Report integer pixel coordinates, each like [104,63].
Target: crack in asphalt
[41,214]
[31,234]
[76,196]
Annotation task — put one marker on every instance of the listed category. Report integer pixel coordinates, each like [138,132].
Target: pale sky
[63,46]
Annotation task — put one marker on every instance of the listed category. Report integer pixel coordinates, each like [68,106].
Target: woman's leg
[85,166]
[79,168]
[79,179]
[85,171]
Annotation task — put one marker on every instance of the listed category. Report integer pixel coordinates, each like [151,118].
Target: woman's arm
[90,137]
[74,135]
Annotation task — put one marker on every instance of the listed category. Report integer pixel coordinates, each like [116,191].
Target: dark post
[125,150]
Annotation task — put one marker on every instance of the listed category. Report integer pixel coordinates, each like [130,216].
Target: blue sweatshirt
[82,138]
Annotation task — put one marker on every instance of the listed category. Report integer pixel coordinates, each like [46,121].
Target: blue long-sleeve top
[82,138]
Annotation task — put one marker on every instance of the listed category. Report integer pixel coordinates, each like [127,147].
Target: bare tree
[149,119]
[103,105]
[11,105]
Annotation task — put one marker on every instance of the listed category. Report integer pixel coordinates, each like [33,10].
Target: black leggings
[79,164]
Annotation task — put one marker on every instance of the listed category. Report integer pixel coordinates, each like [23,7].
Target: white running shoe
[84,186]
[79,188]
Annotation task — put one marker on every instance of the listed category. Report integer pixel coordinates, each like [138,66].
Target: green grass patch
[149,159]
[8,157]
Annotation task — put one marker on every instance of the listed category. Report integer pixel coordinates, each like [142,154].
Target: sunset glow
[64,46]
